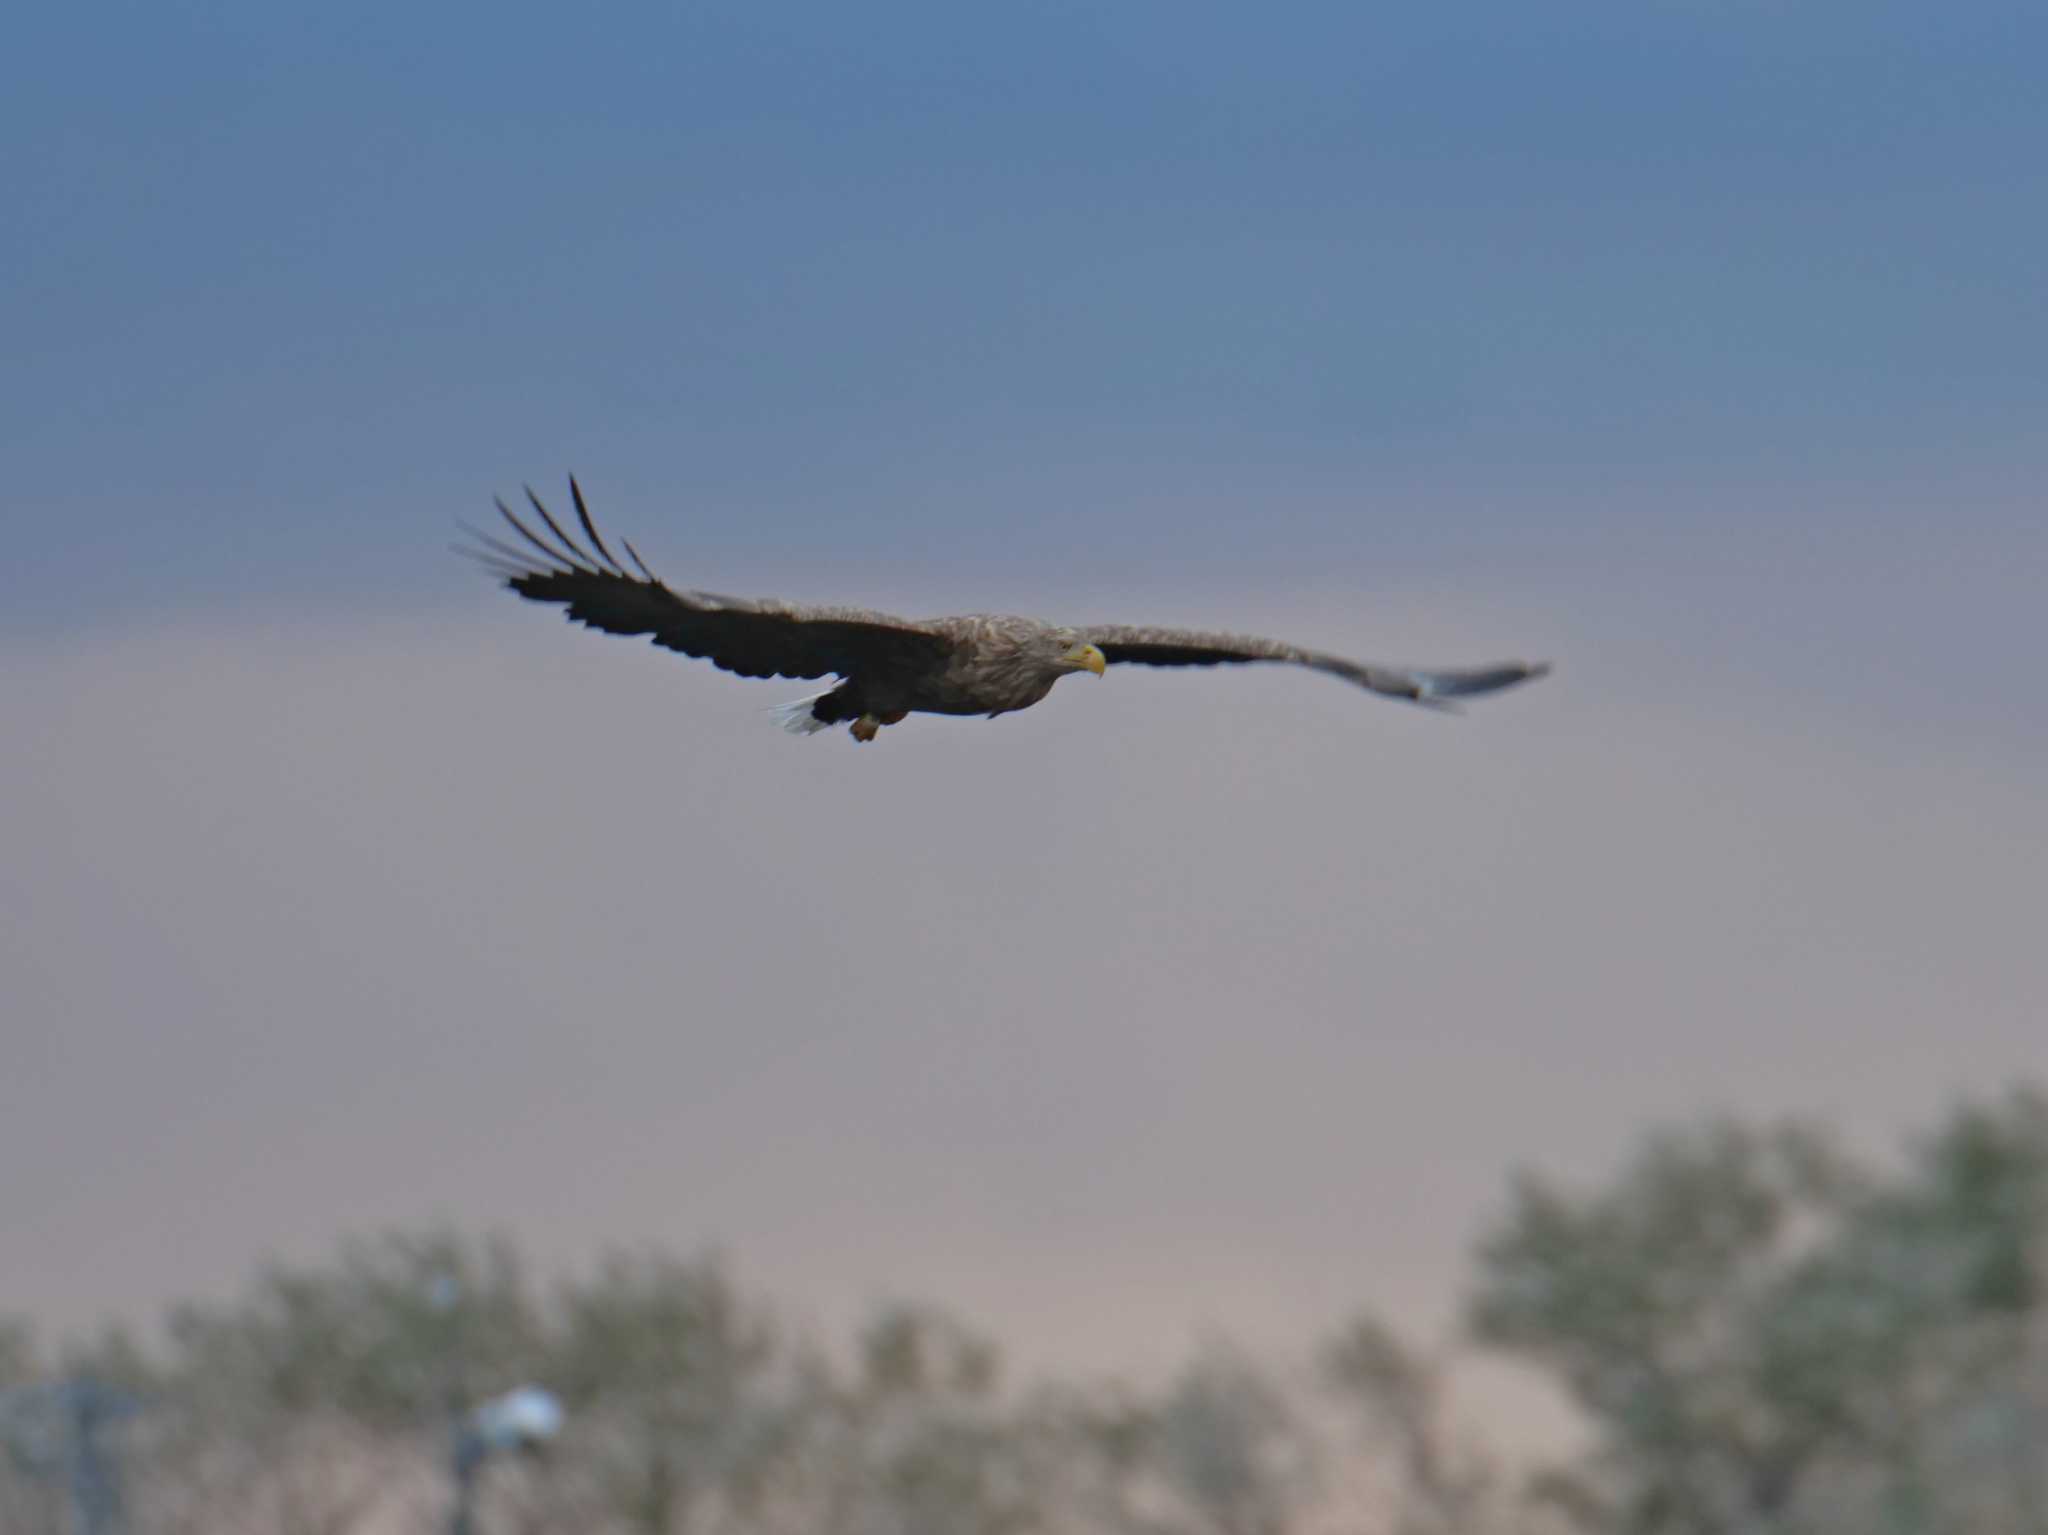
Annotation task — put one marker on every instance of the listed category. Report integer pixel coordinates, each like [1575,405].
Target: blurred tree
[917,1440]
[30,1500]
[325,1393]
[1086,1452]
[1231,1455]
[1764,1338]
[669,1378]
[397,1332]
[18,1355]
[1920,1330]
[1440,1486]
[64,1434]
[1767,1338]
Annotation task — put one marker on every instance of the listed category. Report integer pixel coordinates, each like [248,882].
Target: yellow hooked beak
[1088,658]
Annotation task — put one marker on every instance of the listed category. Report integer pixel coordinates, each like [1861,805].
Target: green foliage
[668,1376]
[1441,1485]
[645,1323]
[1763,1337]
[1228,1448]
[918,1438]
[916,1350]
[1767,1338]
[392,1334]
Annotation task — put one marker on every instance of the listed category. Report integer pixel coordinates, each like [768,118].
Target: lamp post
[60,1428]
[521,1419]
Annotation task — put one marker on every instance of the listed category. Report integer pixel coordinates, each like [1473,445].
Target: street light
[522,1419]
[59,1429]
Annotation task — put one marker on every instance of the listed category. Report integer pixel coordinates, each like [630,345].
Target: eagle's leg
[868,725]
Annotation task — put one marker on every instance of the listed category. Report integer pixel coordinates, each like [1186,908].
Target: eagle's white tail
[796,717]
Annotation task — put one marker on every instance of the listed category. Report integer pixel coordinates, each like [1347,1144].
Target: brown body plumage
[888,666]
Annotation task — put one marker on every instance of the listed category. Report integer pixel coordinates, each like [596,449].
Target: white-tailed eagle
[888,667]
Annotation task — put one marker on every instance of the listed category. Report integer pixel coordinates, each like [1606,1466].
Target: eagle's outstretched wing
[1125,644]
[755,637]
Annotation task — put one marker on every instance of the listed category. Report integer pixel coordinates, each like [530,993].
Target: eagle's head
[1078,655]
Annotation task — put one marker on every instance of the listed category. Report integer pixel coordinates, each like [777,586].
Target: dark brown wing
[1125,644]
[755,637]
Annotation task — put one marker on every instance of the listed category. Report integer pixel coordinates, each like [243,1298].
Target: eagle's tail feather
[798,716]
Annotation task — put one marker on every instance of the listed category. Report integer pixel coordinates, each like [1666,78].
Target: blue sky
[1696,346]
[289,288]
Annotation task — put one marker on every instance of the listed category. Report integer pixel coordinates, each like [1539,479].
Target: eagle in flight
[888,667]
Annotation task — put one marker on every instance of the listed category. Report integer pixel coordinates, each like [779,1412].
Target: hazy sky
[1696,346]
